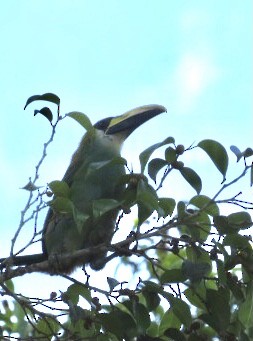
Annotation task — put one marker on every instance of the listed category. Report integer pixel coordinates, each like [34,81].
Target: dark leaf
[174,334]
[112,282]
[221,224]
[222,275]
[141,317]
[152,298]
[192,178]
[181,210]
[218,316]
[237,152]
[247,152]
[46,112]
[152,286]
[49,97]
[119,323]
[173,276]
[31,187]
[155,166]
[145,155]
[235,287]
[195,271]
[217,153]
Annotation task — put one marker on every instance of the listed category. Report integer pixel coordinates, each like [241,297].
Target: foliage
[198,283]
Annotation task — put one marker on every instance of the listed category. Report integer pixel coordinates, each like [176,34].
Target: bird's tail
[22,260]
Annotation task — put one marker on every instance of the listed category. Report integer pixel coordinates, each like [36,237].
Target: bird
[93,175]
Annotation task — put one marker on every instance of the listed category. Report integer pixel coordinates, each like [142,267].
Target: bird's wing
[75,164]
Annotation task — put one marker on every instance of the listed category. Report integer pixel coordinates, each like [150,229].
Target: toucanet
[91,177]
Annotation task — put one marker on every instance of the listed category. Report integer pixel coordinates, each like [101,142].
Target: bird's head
[122,126]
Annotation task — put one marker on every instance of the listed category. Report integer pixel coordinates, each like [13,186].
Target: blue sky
[106,57]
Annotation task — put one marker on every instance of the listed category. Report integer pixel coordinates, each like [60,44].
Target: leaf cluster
[198,283]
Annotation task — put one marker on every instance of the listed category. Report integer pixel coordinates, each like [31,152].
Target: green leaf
[237,241]
[181,210]
[245,312]
[167,205]
[145,155]
[141,317]
[217,153]
[152,286]
[119,323]
[197,225]
[155,166]
[173,276]
[239,220]
[82,119]
[170,155]
[192,178]
[75,290]
[79,218]
[102,206]
[49,97]
[179,307]
[168,320]
[47,327]
[147,200]
[46,112]
[195,271]
[10,285]
[151,297]
[221,224]
[235,287]
[62,205]
[205,203]
[221,272]
[182,311]
[118,160]
[59,188]
[196,296]
[112,282]
[218,316]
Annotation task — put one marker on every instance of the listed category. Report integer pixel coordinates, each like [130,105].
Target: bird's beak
[132,119]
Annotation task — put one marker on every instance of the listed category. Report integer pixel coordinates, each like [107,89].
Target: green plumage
[92,177]
[89,178]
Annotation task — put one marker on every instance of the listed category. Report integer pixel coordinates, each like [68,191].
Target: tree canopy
[194,261]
